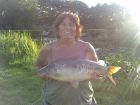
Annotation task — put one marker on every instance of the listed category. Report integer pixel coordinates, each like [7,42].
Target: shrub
[127,90]
[17,47]
[128,77]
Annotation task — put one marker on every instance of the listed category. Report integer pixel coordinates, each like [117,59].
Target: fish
[76,70]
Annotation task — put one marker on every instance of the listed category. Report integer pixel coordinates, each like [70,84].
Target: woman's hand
[43,76]
[96,76]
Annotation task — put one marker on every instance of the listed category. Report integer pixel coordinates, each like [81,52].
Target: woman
[67,46]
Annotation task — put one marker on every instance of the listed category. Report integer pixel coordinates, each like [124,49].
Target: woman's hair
[73,17]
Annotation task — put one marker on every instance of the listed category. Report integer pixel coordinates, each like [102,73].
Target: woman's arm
[42,60]
[91,54]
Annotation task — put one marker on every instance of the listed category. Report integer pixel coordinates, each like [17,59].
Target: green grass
[19,83]
[17,47]
[121,94]
[19,86]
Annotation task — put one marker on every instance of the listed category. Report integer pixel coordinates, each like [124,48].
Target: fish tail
[112,80]
[111,70]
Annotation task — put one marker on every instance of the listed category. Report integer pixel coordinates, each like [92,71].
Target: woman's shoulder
[49,45]
[46,47]
[84,43]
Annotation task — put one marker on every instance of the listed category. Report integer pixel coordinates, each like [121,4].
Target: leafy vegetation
[17,47]
[25,10]
[127,90]
[19,84]
[40,14]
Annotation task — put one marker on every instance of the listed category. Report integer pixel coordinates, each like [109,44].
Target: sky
[126,3]
[132,5]
[94,2]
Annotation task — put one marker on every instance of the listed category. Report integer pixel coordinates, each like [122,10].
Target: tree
[106,16]
[51,8]
[18,14]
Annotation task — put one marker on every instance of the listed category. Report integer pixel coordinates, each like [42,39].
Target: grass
[108,94]
[19,86]
[17,47]
[19,83]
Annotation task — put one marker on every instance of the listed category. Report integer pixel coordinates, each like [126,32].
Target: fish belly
[70,77]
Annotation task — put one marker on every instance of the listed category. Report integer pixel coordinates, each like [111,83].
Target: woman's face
[67,29]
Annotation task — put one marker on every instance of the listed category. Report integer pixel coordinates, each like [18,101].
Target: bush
[17,47]
[127,78]
[126,60]
[127,90]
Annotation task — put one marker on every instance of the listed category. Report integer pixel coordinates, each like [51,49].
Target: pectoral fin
[75,84]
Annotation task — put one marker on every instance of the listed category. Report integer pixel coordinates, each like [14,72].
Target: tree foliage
[99,16]
[29,14]
[18,14]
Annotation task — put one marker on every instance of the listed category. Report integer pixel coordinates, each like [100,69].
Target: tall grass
[17,47]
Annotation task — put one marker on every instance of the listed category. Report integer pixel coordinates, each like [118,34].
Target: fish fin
[75,84]
[113,69]
[112,79]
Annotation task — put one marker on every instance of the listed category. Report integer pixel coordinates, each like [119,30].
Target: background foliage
[17,47]
[29,14]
